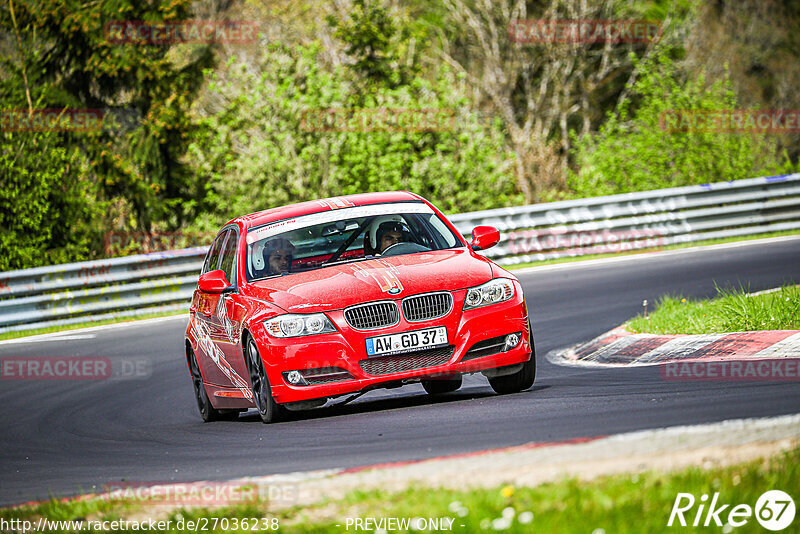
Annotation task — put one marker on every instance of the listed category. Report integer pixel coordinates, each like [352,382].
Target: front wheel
[269,410]
[437,387]
[516,382]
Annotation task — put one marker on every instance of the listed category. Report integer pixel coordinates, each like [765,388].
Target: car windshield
[345,235]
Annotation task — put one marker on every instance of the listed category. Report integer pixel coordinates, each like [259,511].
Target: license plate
[430,338]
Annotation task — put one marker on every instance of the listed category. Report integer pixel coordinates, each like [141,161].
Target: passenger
[278,255]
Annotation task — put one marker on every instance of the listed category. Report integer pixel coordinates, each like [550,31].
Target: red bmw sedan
[310,302]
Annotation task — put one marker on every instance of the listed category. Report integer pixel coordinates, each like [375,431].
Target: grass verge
[629,503]
[646,250]
[730,311]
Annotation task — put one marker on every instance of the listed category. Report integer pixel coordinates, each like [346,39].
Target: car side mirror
[214,282]
[484,237]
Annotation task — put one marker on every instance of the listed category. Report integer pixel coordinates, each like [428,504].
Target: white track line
[653,255]
[78,333]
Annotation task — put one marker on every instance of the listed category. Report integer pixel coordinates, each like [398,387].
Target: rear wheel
[269,410]
[207,411]
[519,381]
[438,387]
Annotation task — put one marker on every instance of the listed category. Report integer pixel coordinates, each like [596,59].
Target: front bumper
[344,367]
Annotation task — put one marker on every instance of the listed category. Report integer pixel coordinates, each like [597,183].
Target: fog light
[511,342]
[295,378]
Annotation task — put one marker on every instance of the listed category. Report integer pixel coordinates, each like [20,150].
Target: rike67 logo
[774,510]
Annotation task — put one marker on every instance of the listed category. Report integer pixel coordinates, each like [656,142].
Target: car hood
[339,286]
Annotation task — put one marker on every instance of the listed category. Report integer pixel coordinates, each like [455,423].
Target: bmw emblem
[394,291]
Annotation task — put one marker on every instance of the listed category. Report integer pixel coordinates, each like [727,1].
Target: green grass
[645,250]
[730,311]
[57,510]
[67,328]
[623,504]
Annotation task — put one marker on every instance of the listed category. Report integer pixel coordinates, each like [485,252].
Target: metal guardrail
[640,220]
[164,281]
[97,290]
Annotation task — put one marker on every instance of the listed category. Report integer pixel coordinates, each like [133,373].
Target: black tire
[269,410]
[519,381]
[438,387]
[207,411]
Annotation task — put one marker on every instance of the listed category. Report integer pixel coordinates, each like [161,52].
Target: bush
[46,204]
[632,152]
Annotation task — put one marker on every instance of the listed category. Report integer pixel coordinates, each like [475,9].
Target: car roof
[260,218]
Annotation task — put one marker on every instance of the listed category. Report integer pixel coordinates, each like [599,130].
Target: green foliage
[63,56]
[253,150]
[257,152]
[262,147]
[370,35]
[758,42]
[633,151]
[46,204]
[730,311]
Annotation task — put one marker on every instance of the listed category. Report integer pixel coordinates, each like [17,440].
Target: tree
[64,58]
[755,42]
[541,90]
[370,37]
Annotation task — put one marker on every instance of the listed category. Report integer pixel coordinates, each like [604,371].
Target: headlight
[492,292]
[293,325]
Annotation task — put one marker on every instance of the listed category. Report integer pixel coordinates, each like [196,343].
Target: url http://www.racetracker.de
[201,524]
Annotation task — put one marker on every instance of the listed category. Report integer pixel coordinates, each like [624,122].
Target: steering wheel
[406,247]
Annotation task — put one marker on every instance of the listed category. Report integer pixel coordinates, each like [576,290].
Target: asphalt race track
[61,437]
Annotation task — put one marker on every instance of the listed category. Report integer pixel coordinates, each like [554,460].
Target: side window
[445,234]
[212,258]
[227,261]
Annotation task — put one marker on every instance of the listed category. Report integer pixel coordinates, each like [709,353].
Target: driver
[278,255]
[390,233]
